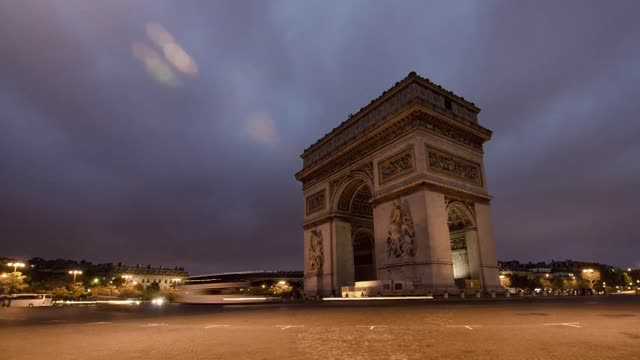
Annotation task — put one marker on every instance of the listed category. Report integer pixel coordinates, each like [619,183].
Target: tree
[590,276]
[542,282]
[13,283]
[281,289]
[129,291]
[77,290]
[104,290]
[61,292]
[522,282]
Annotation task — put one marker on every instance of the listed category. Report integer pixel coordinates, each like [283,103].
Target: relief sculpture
[453,165]
[315,202]
[401,235]
[316,252]
[396,166]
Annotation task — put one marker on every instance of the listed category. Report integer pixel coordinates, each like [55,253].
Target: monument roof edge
[412,76]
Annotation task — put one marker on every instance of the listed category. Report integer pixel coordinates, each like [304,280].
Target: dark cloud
[101,160]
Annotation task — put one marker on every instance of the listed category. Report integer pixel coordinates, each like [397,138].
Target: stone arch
[338,187]
[352,203]
[464,245]
[459,216]
[363,254]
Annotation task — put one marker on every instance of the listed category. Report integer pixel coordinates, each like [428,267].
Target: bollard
[445,295]
[462,294]
[493,294]
[478,295]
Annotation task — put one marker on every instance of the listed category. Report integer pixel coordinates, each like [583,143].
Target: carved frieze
[316,251]
[417,119]
[396,166]
[401,234]
[316,202]
[458,242]
[452,165]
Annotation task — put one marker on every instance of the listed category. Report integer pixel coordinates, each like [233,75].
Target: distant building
[554,269]
[145,275]
[41,269]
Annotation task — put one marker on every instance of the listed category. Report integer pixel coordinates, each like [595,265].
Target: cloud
[96,157]
[261,128]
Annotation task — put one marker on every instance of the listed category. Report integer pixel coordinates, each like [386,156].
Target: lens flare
[155,64]
[171,50]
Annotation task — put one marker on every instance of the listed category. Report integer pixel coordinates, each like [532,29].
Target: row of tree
[597,278]
[16,282]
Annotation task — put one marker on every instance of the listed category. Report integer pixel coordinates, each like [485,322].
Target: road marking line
[371,327]
[154,324]
[52,321]
[285,327]
[215,326]
[572,324]
[99,323]
[11,318]
[469,327]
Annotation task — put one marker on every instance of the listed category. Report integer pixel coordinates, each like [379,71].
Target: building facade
[397,194]
[144,275]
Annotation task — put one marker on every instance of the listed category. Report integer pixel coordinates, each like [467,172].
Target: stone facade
[406,170]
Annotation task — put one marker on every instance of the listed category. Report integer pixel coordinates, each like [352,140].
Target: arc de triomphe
[397,192]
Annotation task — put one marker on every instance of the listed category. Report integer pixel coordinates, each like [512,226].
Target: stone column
[438,240]
[343,267]
[487,249]
[471,239]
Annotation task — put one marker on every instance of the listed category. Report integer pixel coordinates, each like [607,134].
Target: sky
[169,132]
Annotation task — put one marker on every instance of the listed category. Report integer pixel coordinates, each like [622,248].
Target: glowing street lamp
[16,265]
[75,273]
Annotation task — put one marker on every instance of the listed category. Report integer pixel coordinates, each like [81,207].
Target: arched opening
[463,247]
[354,205]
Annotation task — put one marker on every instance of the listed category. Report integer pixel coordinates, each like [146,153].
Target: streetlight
[16,265]
[589,273]
[75,273]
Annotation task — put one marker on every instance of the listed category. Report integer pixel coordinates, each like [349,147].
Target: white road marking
[285,327]
[99,323]
[371,327]
[469,327]
[154,324]
[572,324]
[215,326]
[11,318]
[52,321]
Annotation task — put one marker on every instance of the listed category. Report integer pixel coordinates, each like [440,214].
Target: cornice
[409,88]
[415,116]
[422,184]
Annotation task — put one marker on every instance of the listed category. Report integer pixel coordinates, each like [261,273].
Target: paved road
[567,328]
